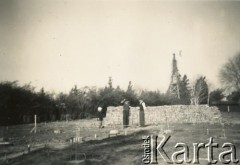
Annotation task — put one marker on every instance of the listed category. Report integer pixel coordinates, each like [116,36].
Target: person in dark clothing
[100,117]
[126,113]
[141,113]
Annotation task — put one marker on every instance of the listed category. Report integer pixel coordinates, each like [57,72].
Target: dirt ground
[49,148]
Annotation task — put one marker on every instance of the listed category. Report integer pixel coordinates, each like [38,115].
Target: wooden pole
[35,123]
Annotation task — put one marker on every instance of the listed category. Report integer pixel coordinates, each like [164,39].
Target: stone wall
[165,114]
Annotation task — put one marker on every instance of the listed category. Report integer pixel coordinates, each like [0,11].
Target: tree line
[18,104]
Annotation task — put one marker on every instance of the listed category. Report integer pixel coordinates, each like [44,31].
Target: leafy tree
[44,105]
[155,98]
[200,91]
[93,101]
[130,95]
[76,102]
[184,90]
[130,87]
[216,96]
[61,101]
[17,102]
[110,97]
[230,74]
[234,97]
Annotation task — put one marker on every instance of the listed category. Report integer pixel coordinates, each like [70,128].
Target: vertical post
[178,93]
[35,123]
[228,109]
[224,134]
[166,118]
[207,131]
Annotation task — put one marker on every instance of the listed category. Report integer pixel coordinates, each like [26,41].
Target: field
[53,142]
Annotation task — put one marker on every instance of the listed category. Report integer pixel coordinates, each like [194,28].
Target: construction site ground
[55,143]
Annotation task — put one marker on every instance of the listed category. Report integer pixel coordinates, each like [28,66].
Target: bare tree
[230,74]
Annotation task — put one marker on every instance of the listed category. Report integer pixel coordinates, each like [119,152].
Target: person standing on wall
[126,112]
[100,117]
[141,113]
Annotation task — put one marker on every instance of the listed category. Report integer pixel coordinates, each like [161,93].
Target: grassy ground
[51,148]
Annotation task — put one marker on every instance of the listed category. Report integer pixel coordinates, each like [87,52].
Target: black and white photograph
[119,82]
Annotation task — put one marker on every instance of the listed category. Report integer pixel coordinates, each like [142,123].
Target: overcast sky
[58,43]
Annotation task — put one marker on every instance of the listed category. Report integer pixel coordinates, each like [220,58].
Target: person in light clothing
[100,117]
[141,113]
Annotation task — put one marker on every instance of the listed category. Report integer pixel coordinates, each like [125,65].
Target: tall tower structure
[173,89]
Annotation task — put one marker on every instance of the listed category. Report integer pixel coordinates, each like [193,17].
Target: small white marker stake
[29,148]
[228,109]
[207,131]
